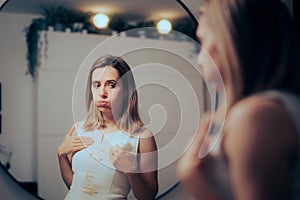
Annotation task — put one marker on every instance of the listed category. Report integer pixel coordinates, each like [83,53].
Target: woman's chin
[104,109]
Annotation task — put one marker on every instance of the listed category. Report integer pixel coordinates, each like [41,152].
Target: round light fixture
[101,20]
[164,26]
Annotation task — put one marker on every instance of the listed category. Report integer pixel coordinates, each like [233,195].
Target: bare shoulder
[257,124]
[259,111]
[146,133]
[147,141]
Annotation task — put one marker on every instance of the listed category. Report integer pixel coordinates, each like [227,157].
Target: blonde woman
[255,47]
[110,152]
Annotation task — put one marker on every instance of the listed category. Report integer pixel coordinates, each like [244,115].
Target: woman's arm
[144,184]
[193,171]
[142,176]
[66,150]
[65,169]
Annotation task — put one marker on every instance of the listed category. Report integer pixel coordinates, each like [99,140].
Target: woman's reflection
[102,156]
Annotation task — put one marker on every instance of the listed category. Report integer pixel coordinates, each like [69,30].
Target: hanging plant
[65,17]
[32,40]
[54,17]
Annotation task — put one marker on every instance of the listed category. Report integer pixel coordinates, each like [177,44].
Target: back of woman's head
[258,44]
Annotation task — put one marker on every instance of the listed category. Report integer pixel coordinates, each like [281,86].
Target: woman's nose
[102,92]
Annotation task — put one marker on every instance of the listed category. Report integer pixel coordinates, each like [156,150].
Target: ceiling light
[101,20]
[164,26]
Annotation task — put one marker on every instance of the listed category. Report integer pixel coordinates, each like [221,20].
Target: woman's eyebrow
[111,80]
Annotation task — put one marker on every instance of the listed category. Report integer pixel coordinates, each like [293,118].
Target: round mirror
[37,111]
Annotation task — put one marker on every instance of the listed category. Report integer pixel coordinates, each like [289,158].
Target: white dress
[94,175]
[219,173]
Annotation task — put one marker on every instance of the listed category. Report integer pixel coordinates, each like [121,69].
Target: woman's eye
[96,84]
[111,85]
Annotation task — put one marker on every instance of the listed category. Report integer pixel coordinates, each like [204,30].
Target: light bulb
[101,20]
[164,26]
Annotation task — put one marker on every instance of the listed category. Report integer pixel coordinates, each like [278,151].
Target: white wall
[18,97]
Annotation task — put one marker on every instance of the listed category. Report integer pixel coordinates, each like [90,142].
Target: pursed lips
[102,104]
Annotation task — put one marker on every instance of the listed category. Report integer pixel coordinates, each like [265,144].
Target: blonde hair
[257,44]
[129,120]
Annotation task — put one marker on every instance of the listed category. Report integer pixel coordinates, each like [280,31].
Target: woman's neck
[109,119]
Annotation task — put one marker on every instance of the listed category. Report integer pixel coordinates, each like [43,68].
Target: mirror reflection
[38,94]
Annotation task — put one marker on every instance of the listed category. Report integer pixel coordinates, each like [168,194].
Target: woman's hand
[72,143]
[191,170]
[122,160]
[191,158]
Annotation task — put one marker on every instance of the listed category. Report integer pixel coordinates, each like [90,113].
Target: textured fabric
[94,175]
[218,174]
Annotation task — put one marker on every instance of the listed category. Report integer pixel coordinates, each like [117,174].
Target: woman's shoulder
[255,109]
[147,141]
[139,133]
[260,122]
[254,114]
[146,133]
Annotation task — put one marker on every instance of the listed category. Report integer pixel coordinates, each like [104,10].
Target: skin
[259,144]
[108,95]
[67,149]
[208,60]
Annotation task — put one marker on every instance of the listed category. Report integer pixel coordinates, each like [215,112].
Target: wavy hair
[129,119]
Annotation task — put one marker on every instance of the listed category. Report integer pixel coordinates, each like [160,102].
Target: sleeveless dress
[219,172]
[94,175]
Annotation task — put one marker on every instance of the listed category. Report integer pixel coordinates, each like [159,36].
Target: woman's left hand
[122,160]
[191,170]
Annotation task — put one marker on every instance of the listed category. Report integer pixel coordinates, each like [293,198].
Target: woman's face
[208,57]
[107,90]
